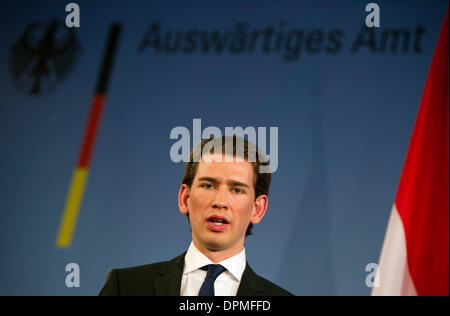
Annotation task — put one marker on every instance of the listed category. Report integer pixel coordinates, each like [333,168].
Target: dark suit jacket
[164,279]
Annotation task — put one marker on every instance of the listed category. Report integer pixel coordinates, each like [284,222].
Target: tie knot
[214,270]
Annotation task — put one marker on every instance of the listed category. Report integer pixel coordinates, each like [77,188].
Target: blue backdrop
[344,107]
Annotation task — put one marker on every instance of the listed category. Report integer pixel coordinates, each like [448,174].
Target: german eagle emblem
[43,56]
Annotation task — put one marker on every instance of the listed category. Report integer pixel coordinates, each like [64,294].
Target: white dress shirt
[226,284]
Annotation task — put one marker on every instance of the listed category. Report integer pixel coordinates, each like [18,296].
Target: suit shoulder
[146,270]
[132,281]
[138,280]
[271,289]
[253,284]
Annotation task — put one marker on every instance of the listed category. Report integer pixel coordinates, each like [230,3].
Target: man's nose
[220,200]
[220,205]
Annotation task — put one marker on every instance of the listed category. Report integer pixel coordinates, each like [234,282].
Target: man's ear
[260,208]
[183,197]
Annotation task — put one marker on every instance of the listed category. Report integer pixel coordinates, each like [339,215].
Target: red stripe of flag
[423,195]
[91,130]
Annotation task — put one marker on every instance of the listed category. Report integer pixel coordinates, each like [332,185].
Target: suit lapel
[251,284]
[169,281]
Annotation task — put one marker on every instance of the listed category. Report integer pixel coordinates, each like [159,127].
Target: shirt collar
[194,260]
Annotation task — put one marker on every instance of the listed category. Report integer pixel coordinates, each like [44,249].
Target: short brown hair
[261,180]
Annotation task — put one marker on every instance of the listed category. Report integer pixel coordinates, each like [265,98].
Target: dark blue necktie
[214,270]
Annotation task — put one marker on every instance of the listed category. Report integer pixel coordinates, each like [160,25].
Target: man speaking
[224,192]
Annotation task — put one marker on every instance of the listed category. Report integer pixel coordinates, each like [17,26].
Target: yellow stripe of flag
[72,208]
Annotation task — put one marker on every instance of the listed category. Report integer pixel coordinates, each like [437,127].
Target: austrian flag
[415,255]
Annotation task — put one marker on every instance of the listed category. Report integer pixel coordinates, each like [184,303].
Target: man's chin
[216,242]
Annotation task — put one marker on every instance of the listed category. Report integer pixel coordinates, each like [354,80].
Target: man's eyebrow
[238,184]
[213,180]
[230,182]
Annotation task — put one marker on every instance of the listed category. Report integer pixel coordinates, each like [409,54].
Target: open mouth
[217,223]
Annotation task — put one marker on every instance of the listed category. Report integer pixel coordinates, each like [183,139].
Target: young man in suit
[223,193]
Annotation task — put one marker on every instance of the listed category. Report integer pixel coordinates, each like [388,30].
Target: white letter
[216,142]
[197,138]
[373,278]
[273,156]
[373,18]
[240,133]
[73,278]
[73,18]
[225,307]
[184,143]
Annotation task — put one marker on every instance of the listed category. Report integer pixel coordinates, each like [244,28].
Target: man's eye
[238,191]
[207,186]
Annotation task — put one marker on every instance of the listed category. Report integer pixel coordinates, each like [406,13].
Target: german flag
[80,175]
